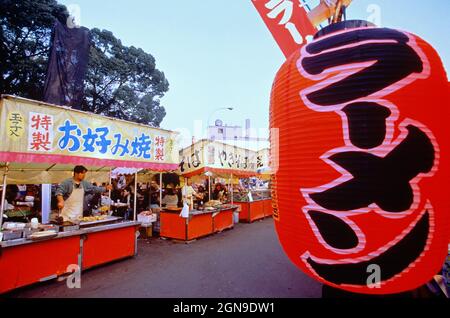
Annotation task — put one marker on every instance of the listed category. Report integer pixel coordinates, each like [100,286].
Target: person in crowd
[121,182]
[106,200]
[91,202]
[126,210]
[188,193]
[218,192]
[11,196]
[153,194]
[202,195]
[170,198]
[22,191]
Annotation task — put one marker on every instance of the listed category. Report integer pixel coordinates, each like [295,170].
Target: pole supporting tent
[160,189]
[109,192]
[2,208]
[135,196]
[232,194]
[209,187]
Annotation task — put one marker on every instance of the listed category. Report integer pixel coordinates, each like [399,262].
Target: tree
[121,81]
[25,33]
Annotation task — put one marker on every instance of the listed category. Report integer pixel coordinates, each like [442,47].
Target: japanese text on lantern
[15,125]
[40,132]
[374,160]
[381,172]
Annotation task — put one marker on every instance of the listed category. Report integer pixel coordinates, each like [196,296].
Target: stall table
[256,210]
[223,220]
[28,262]
[199,223]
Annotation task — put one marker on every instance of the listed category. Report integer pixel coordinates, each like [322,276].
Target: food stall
[208,159]
[255,205]
[142,178]
[254,196]
[41,143]
[200,223]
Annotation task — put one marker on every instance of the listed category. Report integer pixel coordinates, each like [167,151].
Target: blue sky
[219,53]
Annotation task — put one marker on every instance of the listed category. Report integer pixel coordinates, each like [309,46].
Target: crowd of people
[148,196]
[173,195]
[120,195]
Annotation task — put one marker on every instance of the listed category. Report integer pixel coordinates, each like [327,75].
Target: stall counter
[255,210]
[199,223]
[25,262]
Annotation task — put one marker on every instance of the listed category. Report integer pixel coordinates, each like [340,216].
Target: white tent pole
[46,196]
[228,185]
[209,187]
[3,194]
[149,190]
[110,182]
[160,190]
[135,195]
[183,193]
[232,198]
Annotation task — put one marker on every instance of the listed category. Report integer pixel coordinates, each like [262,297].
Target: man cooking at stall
[70,194]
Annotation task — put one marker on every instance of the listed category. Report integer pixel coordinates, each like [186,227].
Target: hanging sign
[287,21]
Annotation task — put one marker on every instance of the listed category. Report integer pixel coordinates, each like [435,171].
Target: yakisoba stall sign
[36,132]
[215,155]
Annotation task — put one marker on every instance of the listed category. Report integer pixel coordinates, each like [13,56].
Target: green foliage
[25,33]
[121,81]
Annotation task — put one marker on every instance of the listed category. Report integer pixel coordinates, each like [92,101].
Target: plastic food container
[12,235]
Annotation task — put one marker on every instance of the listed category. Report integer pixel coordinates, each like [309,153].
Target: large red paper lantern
[361,194]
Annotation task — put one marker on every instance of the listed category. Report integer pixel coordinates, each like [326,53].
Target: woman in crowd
[170,198]
[125,211]
[219,193]
[202,195]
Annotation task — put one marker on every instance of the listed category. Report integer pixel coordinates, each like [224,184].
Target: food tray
[65,227]
[12,235]
[69,228]
[43,237]
[173,209]
[109,219]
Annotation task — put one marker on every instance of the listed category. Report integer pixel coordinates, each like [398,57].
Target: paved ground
[247,261]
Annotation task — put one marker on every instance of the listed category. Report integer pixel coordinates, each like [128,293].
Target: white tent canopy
[44,173]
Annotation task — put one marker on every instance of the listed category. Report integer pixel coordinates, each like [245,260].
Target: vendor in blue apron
[70,194]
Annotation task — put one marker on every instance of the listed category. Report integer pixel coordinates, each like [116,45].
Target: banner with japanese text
[34,132]
[213,155]
[287,21]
